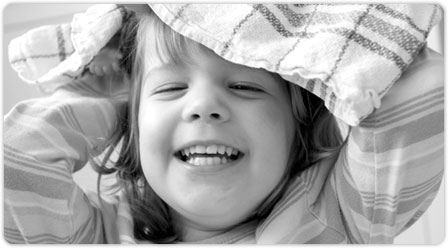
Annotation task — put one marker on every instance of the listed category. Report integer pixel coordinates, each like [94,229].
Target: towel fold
[349,55]
[54,55]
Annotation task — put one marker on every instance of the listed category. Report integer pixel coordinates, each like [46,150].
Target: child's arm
[45,141]
[385,177]
[393,163]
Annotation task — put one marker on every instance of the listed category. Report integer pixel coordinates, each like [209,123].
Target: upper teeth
[210,149]
[209,154]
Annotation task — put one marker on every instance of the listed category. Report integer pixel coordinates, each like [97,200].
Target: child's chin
[215,215]
[211,199]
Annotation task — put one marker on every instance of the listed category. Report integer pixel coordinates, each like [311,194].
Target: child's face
[214,137]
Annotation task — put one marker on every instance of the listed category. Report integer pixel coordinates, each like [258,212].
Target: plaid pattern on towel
[348,55]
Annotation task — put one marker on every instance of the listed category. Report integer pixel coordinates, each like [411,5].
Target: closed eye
[246,86]
[171,87]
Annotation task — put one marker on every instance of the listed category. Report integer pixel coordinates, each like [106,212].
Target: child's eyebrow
[165,68]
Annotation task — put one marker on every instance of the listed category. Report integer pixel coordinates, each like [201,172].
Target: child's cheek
[155,132]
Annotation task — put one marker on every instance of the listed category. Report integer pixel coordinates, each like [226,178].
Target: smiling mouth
[209,155]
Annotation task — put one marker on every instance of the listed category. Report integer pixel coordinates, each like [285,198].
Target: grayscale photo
[223,123]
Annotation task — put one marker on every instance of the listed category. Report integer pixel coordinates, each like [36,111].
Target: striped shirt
[384,179]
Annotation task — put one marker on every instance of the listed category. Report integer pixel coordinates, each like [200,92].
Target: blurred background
[20,17]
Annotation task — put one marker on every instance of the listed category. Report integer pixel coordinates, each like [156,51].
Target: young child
[216,152]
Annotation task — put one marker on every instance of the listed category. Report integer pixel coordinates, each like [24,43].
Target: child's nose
[207,106]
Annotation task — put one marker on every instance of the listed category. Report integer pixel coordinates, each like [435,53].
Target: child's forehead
[200,59]
[169,55]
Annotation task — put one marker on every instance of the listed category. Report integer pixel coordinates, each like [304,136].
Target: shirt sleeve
[385,177]
[45,141]
[392,166]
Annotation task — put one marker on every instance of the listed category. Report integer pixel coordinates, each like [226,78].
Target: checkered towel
[53,55]
[348,55]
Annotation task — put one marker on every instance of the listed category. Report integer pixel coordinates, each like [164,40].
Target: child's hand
[106,62]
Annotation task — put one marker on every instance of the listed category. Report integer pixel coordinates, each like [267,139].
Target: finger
[106,69]
[116,67]
[98,71]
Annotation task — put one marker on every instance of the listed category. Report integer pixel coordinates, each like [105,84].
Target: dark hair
[317,135]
